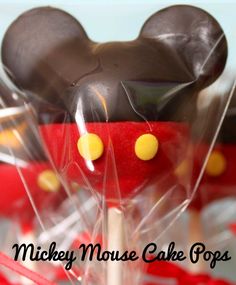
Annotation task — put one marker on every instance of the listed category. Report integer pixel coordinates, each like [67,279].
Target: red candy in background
[219,180]
[14,201]
[215,186]
[28,182]
[163,272]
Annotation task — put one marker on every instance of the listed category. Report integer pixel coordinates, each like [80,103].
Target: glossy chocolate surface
[179,51]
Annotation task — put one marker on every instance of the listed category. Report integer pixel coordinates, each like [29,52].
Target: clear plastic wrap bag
[211,215]
[21,146]
[217,234]
[118,126]
[212,209]
[218,180]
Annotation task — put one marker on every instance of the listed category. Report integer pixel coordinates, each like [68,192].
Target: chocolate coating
[180,50]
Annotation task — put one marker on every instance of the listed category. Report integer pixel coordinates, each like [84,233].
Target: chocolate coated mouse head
[180,50]
[114,88]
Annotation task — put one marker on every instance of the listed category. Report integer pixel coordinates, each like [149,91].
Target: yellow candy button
[48,181]
[90,146]
[12,137]
[182,169]
[146,147]
[216,164]
[9,138]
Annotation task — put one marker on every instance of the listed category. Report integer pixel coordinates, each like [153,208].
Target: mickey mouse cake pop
[218,181]
[23,165]
[124,99]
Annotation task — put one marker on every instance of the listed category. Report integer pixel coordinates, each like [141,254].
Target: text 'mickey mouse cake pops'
[129,100]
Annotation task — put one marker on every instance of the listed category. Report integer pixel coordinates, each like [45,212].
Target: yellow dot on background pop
[12,137]
[48,181]
[9,138]
[146,147]
[182,169]
[90,146]
[216,164]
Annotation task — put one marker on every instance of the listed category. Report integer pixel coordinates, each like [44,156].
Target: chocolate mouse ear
[194,35]
[45,51]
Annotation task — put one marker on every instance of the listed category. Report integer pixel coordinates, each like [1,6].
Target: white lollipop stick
[116,243]
[196,235]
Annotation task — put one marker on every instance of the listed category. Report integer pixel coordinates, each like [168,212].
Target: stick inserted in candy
[127,104]
[115,243]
